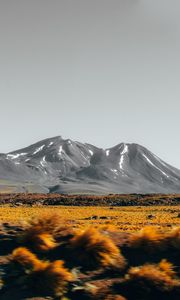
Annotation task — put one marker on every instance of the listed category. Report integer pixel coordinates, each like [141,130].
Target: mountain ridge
[66,166]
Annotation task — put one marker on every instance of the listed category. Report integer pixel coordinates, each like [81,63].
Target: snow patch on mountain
[91,152]
[151,163]
[107,152]
[125,150]
[39,149]
[14,156]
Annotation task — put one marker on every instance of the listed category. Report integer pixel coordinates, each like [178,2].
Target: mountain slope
[65,166]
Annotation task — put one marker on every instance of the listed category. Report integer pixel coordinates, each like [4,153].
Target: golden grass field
[103,253]
[129,219]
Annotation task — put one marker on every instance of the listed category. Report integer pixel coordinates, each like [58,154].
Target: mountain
[65,166]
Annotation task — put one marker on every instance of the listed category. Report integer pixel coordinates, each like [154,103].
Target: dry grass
[40,233]
[49,278]
[25,258]
[148,238]
[167,268]
[91,264]
[41,242]
[129,219]
[151,281]
[173,238]
[160,274]
[92,250]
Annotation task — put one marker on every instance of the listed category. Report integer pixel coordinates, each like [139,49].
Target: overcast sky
[97,71]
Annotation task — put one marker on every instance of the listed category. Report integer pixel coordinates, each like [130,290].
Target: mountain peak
[74,167]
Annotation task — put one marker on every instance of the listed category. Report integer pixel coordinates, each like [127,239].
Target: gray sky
[97,71]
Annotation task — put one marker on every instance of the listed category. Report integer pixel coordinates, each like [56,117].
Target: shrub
[161,273]
[148,239]
[25,258]
[167,268]
[50,279]
[40,233]
[151,281]
[46,278]
[43,242]
[91,249]
[172,238]
[47,223]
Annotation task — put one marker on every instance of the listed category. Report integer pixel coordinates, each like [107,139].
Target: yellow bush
[161,274]
[40,233]
[46,223]
[173,238]
[26,258]
[44,277]
[146,238]
[91,249]
[167,268]
[51,279]
[43,242]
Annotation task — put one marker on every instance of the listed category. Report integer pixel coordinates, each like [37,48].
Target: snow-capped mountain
[65,166]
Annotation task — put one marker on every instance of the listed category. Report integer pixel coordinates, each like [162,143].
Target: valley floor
[128,219]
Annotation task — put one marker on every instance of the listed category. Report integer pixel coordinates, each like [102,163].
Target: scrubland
[130,218]
[63,256]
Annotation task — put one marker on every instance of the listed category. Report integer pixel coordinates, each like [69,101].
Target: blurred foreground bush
[52,260]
